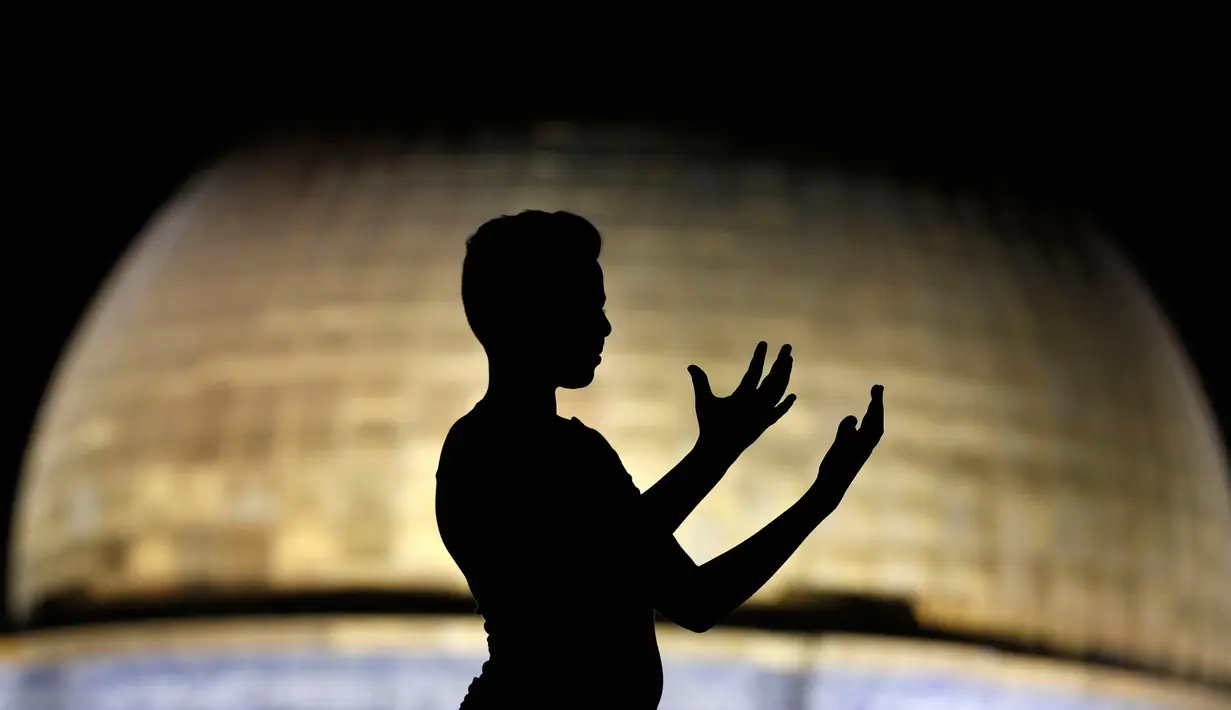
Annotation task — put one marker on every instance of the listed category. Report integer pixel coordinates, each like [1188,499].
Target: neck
[513,389]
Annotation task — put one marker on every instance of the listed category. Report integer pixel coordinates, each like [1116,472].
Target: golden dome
[258,396]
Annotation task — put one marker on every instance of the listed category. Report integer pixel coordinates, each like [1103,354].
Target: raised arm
[674,496]
[726,427]
[704,595]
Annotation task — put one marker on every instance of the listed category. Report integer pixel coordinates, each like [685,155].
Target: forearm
[729,580]
[674,496]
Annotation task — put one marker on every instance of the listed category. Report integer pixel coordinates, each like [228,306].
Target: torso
[542,521]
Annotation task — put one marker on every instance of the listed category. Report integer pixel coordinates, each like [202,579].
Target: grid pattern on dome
[259,396]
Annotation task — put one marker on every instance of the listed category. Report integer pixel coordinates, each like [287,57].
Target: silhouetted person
[566,559]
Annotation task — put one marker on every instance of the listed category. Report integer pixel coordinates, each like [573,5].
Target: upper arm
[677,591]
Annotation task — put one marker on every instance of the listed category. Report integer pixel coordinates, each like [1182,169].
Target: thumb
[700,383]
[840,451]
[846,429]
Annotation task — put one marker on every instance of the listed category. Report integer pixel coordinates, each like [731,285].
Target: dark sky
[105,118]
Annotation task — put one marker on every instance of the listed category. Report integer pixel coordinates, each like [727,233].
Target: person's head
[533,294]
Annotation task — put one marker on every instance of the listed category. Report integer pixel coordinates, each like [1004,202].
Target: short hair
[510,257]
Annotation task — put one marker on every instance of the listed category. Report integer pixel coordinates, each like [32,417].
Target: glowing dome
[258,397]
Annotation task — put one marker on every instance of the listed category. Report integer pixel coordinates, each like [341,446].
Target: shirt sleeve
[612,470]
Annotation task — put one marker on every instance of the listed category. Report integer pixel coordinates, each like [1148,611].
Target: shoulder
[490,452]
[460,434]
[592,438]
[463,453]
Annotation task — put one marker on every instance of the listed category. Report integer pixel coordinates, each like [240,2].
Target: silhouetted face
[570,327]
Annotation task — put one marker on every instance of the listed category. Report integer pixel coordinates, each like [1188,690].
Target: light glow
[258,396]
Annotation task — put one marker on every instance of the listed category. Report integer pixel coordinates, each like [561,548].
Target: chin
[577,380]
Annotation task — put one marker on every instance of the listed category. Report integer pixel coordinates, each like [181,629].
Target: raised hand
[849,452]
[728,425]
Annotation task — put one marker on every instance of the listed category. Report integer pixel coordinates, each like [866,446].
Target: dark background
[104,119]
